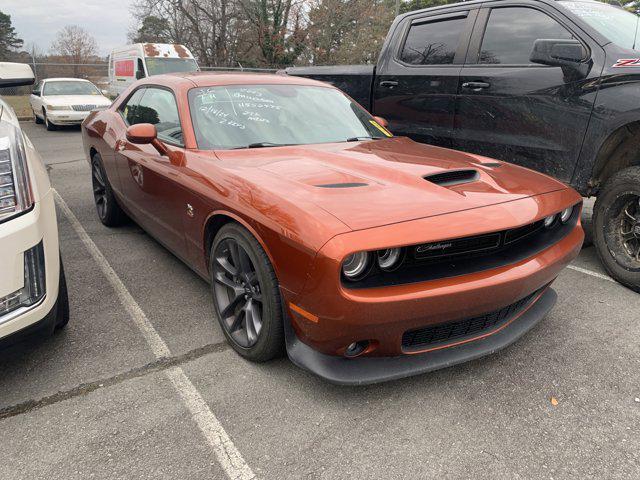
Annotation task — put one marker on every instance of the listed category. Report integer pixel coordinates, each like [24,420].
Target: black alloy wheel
[99,189]
[246,294]
[238,293]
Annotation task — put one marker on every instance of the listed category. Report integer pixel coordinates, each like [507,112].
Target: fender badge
[190,210]
[627,62]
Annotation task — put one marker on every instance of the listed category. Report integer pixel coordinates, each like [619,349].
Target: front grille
[453,177]
[458,246]
[83,108]
[471,327]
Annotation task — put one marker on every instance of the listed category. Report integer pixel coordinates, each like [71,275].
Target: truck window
[433,43]
[512,31]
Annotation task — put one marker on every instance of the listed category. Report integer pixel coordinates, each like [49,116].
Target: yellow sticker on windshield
[381,128]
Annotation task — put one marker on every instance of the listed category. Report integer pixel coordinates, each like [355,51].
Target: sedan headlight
[16,196]
[58,107]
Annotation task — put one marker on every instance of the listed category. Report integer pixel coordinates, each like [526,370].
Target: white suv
[33,294]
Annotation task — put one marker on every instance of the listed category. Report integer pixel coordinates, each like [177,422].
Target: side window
[433,42]
[140,72]
[130,108]
[158,107]
[512,31]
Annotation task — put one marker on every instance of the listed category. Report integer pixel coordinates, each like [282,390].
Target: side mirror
[36,93]
[139,74]
[15,74]
[381,121]
[145,134]
[568,54]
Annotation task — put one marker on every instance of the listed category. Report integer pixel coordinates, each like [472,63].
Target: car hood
[99,100]
[375,183]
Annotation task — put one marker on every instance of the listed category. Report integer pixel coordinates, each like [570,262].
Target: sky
[37,21]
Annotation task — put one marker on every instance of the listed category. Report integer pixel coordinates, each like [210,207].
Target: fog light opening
[356,348]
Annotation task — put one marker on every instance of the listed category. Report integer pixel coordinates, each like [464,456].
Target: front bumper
[17,236]
[67,117]
[367,370]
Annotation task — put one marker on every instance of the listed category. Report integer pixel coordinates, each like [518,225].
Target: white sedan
[33,293]
[65,101]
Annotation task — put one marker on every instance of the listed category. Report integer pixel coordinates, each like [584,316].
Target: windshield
[240,116]
[70,88]
[158,66]
[616,24]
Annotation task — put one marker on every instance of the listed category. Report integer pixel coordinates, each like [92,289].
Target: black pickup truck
[550,85]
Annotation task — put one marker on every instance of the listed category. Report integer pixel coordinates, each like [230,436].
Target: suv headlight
[16,196]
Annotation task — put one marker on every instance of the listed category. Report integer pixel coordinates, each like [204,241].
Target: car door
[150,182]
[36,99]
[516,111]
[417,77]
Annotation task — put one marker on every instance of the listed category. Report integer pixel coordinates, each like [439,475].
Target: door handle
[389,83]
[476,86]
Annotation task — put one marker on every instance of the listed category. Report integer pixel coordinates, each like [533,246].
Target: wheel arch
[620,150]
[219,219]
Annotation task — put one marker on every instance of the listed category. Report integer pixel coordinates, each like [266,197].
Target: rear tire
[246,294]
[616,227]
[107,207]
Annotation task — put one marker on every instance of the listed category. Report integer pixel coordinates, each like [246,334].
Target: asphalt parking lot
[142,385]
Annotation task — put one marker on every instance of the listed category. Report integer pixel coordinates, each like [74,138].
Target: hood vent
[453,177]
[341,185]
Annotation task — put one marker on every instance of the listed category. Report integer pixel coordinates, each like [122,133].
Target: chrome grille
[84,108]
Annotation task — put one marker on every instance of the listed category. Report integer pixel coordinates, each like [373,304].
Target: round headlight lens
[355,265]
[549,221]
[565,215]
[389,259]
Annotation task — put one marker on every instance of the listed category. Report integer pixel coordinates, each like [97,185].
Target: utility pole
[397,7]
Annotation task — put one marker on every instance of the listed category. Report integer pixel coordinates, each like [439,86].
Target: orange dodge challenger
[367,257]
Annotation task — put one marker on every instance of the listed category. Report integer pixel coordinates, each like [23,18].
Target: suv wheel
[616,227]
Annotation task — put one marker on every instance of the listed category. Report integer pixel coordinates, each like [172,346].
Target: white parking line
[592,273]
[225,451]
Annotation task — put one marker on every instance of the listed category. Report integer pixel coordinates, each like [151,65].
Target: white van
[133,62]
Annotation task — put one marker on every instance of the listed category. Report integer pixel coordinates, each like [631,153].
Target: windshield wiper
[357,139]
[265,144]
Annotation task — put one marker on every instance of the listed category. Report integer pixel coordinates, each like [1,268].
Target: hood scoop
[450,178]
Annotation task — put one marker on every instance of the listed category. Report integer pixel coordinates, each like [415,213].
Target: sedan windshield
[616,24]
[70,88]
[158,66]
[243,116]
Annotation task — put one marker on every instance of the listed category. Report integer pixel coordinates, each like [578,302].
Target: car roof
[66,79]
[208,79]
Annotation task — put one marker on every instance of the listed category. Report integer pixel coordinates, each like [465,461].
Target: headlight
[565,215]
[355,265]
[549,221]
[389,259]
[58,107]
[15,189]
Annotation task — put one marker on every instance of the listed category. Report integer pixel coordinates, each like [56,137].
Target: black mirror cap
[558,52]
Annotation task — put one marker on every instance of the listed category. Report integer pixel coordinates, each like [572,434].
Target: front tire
[37,119]
[616,227]
[246,294]
[50,126]
[109,212]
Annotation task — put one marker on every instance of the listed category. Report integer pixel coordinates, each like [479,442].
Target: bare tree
[75,45]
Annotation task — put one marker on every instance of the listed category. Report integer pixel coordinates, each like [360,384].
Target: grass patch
[20,103]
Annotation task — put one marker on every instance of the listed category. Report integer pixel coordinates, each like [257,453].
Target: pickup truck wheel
[246,295]
[616,227]
[109,212]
